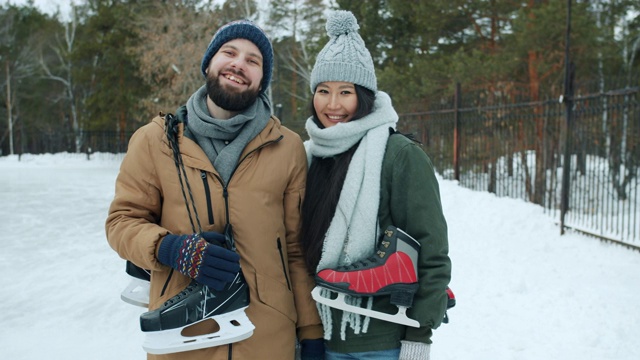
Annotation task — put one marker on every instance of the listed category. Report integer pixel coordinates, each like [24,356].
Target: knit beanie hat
[345,57]
[242,29]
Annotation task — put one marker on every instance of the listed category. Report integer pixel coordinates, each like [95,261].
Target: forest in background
[114,64]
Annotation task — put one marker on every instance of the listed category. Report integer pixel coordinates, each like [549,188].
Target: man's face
[234,75]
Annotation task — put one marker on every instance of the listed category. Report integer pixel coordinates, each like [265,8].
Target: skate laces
[182,294]
[171,130]
[371,260]
[359,264]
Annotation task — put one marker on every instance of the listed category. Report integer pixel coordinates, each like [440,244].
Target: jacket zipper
[225,195]
[284,267]
[207,192]
[225,186]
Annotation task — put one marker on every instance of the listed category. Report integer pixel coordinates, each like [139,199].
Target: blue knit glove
[200,257]
[312,349]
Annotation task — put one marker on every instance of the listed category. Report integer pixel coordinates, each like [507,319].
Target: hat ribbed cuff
[341,71]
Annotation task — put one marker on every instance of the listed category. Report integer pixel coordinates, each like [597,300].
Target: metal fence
[40,142]
[492,142]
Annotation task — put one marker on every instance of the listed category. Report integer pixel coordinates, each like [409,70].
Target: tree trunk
[9,109]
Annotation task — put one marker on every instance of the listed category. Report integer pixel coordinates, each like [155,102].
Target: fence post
[567,99]
[456,133]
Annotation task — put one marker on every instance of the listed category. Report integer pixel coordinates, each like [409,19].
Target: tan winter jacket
[264,195]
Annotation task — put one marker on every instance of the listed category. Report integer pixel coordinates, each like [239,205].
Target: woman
[363,178]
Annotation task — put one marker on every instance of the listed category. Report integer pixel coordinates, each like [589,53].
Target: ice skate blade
[339,303]
[136,293]
[234,326]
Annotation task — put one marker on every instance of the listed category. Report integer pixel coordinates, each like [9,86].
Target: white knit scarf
[353,230]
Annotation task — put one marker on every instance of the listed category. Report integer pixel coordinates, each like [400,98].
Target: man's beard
[230,100]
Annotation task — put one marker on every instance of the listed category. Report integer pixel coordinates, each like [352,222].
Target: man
[213,195]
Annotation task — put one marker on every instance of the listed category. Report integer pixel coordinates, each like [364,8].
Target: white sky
[47,6]
[50,6]
[523,291]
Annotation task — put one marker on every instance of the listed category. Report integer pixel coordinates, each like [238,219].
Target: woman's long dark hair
[324,184]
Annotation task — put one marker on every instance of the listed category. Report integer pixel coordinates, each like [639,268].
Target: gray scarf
[224,140]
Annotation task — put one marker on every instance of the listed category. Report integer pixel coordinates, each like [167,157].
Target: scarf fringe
[358,323]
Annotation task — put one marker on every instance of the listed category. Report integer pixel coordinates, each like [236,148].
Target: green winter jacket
[409,200]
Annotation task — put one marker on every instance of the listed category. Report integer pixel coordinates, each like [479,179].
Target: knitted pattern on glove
[183,253]
[191,254]
[411,350]
[201,257]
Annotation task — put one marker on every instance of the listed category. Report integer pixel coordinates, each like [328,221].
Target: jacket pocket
[276,295]
[283,263]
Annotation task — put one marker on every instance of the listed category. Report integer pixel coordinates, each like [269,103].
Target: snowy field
[524,292]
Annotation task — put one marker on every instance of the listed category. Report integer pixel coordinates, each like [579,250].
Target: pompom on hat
[345,57]
[242,29]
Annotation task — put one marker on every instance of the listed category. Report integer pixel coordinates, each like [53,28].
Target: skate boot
[392,270]
[198,317]
[137,292]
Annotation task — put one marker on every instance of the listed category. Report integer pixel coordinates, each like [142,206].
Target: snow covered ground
[524,292]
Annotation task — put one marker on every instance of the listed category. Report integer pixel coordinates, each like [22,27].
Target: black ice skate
[167,328]
[137,292]
[392,270]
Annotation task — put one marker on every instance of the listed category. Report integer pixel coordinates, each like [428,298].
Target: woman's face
[335,102]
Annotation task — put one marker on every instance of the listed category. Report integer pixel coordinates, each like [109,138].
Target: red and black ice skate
[392,270]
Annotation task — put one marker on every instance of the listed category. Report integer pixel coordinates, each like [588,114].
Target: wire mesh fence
[40,142]
[517,149]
